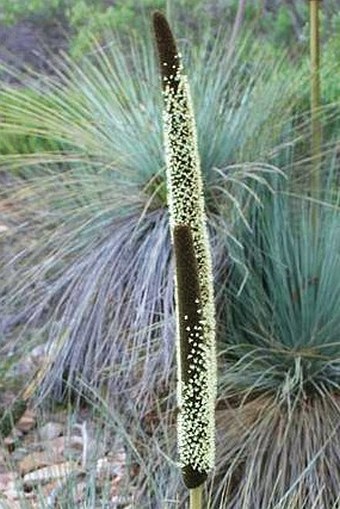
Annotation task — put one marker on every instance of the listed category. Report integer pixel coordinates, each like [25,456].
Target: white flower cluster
[197,390]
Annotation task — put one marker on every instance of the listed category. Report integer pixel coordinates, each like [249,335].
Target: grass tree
[86,266]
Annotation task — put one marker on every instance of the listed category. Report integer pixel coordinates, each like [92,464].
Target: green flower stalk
[315,100]
[194,283]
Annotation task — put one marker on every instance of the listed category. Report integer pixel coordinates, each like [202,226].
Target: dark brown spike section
[188,291]
[190,329]
[167,51]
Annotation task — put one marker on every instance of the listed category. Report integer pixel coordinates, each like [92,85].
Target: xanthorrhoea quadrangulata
[194,282]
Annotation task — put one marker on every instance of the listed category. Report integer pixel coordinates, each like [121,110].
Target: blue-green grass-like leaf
[287,315]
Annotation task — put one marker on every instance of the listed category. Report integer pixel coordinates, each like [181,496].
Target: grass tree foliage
[279,438]
[86,265]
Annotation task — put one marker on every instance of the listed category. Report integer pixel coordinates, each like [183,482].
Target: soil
[52,452]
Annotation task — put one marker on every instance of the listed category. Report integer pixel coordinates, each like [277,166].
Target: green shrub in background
[88,19]
[280,24]
[87,16]
[16,10]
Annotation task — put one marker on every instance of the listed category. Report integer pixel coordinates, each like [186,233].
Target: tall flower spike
[194,284]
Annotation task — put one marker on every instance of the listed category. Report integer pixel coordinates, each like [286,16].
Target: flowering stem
[196,498]
[315,101]
[196,359]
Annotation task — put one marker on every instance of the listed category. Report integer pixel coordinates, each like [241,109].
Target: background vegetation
[86,267]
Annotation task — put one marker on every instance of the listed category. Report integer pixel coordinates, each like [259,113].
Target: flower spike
[194,283]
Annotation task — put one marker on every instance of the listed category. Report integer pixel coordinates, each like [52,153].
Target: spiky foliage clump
[280,423]
[86,263]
